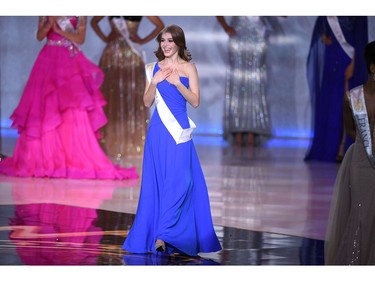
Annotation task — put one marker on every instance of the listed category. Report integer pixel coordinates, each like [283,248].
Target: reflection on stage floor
[269,207]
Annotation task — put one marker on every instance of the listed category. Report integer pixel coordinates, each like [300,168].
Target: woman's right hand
[161,75]
[327,40]
[52,20]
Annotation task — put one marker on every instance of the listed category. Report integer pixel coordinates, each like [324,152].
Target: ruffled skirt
[58,120]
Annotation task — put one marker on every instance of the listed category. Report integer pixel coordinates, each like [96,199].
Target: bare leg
[238,139]
[250,139]
[160,245]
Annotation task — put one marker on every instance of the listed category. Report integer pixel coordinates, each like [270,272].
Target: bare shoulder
[190,68]
[186,69]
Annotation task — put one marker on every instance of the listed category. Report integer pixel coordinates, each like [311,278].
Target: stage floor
[269,207]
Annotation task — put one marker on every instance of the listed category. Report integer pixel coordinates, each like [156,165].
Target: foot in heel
[160,246]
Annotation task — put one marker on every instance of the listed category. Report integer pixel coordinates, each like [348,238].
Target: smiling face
[168,45]
[171,42]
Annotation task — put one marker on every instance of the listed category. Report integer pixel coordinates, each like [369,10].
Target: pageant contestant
[60,112]
[123,63]
[350,235]
[173,214]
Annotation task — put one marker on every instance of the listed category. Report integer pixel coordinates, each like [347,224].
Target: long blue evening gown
[174,203]
[326,65]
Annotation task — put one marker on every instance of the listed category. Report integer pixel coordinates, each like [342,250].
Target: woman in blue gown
[336,50]
[173,212]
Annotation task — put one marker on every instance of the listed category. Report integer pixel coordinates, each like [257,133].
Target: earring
[373,77]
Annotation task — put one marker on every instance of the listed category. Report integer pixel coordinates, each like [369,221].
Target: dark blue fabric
[326,65]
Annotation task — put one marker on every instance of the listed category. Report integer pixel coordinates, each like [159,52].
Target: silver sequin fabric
[246,105]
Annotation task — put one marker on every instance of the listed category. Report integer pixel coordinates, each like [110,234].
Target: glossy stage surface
[269,207]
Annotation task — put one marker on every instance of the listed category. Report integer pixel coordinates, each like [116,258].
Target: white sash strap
[122,27]
[337,31]
[179,134]
[357,101]
[65,24]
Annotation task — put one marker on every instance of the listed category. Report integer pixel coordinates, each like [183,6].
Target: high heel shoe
[160,246]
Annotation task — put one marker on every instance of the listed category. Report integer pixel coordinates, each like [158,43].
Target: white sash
[65,24]
[179,134]
[336,28]
[122,27]
[357,102]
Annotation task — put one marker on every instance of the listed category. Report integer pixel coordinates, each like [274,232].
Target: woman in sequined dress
[350,236]
[60,112]
[123,64]
[246,112]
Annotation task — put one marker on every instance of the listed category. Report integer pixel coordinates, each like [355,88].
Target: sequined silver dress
[246,107]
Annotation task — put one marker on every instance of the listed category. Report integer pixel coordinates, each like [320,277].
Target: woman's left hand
[174,77]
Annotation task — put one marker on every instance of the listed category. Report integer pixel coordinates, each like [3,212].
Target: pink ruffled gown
[59,117]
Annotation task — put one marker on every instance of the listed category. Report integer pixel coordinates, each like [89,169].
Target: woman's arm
[227,28]
[191,94]
[95,26]
[149,95]
[159,25]
[348,117]
[44,26]
[78,37]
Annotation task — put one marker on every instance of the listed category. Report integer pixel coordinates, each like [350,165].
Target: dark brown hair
[370,55]
[178,36]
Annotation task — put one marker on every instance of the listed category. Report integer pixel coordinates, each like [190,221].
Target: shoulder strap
[122,27]
[337,31]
